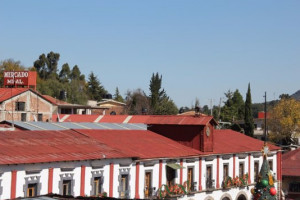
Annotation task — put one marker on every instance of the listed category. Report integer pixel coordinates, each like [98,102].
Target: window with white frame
[241,169]
[209,180]
[32,186]
[66,184]
[190,179]
[124,187]
[97,182]
[271,164]
[148,190]
[256,170]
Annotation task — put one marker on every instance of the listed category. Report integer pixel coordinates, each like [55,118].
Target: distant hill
[296,95]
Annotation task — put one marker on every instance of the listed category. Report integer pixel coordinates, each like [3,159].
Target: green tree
[9,65]
[117,96]
[46,66]
[166,107]
[64,73]
[284,96]
[95,89]
[76,74]
[137,102]
[76,92]
[156,93]
[249,122]
[159,101]
[233,108]
[205,110]
[284,122]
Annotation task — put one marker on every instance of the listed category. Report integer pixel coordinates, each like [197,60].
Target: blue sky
[201,48]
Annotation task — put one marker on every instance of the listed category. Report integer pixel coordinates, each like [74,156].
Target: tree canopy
[160,103]
[249,122]
[233,108]
[95,90]
[284,123]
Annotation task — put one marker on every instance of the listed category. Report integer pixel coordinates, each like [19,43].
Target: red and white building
[131,163]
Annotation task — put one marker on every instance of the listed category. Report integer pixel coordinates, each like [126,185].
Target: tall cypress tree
[249,123]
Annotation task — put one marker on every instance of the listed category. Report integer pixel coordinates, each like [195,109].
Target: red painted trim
[233,166]
[181,171]
[137,180]
[218,172]
[279,166]
[82,180]
[111,179]
[50,180]
[249,168]
[200,174]
[279,172]
[160,174]
[13,184]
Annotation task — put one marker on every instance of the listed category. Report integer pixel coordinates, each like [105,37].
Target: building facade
[134,163]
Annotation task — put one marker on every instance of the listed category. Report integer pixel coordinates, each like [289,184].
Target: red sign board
[19,78]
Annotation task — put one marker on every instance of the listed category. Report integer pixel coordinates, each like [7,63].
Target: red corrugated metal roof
[180,120]
[229,141]
[144,119]
[113,118]
[79,118]
[291,163]
[7,93]
[55,101]
[68,145]
[50,146]
[139,119]
[141,144]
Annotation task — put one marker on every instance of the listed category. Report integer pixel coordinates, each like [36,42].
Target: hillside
[296,95]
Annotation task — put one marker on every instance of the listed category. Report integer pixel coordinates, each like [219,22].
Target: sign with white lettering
[19,78]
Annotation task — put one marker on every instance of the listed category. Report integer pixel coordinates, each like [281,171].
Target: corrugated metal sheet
[49,146]
[73,125]
[229,141]
[7,93]
[113,118]
[180,120]
[291,163]
[142,119]
[141,144]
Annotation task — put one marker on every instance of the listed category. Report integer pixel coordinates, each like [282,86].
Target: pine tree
[95,89]
[155,91]
[117,96]
[249,123]
[160,103]
[264,188]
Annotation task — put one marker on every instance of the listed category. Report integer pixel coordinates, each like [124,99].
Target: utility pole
[265,110]
[211,108]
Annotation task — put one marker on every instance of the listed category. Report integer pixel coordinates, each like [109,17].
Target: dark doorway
[171,174]
[242,197]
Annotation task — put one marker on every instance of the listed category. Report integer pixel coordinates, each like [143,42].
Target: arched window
[242,197]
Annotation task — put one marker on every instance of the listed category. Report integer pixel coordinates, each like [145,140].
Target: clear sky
[201,48]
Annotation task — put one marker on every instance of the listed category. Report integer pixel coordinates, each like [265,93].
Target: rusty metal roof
[7,93]
[145,119]
[49,146]
[20,147]
[291,163]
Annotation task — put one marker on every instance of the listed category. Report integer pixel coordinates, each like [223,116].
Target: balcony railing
[151,192]
[210,184]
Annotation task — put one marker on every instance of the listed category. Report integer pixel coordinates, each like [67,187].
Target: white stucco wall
[104,167]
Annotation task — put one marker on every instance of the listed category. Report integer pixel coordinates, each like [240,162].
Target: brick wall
[33,105]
